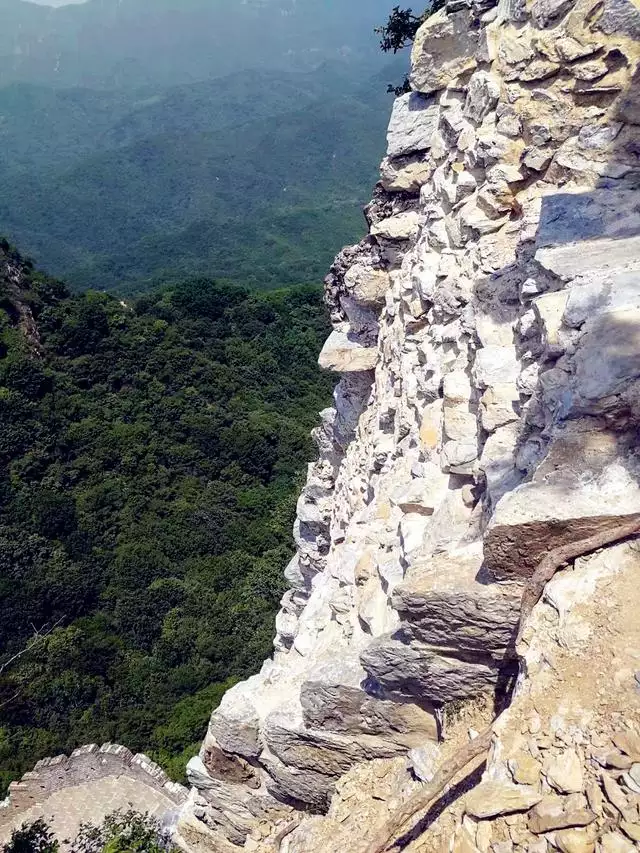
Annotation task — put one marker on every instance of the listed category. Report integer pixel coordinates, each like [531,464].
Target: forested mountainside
[145,140]
[257,178]
[150,457]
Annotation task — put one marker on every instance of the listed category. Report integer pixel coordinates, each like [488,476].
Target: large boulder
[330,753]
[336,700]
[413,120]
[444,48]
[401,665]
[588,482]
[367,285]
[449,602]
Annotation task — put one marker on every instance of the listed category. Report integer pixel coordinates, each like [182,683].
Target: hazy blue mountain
[142,139]
[124,43]
[257,178]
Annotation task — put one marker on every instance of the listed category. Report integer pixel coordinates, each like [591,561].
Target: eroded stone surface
[486,327]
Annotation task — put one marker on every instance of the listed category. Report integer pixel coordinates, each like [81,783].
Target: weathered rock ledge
[487,333]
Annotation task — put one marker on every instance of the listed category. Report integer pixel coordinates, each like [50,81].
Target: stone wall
[487,335]
[86,764]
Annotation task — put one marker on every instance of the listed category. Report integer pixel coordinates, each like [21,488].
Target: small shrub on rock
[33,838]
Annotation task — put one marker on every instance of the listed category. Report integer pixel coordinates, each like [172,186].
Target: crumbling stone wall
[86,786]
[486,332]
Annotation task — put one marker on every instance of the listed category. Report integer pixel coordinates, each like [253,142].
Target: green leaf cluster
[119,832]
[33,838]
[123,832]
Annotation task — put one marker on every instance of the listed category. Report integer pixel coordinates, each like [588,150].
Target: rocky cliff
[487,337]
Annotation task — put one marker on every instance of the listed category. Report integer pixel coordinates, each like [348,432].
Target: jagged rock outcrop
[487,334]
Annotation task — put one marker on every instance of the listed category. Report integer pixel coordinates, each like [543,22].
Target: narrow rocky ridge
[487,333]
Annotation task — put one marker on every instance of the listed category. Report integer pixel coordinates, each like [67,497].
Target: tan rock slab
[367,285]
[614,793]
[564,772]
[525,769]
[576,840]
[342,353]
[403,226]
[491,799]
[555,812]
[613,842]
[463,843]
[405,175]
[629,743]
[444,48]
[632,830]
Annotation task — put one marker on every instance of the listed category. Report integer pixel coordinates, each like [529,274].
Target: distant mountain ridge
[256,178]
[116,43]
[144,139]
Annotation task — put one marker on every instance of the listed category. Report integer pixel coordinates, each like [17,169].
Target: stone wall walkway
[87,786]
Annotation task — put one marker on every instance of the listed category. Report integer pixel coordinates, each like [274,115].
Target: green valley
[141,144]
[258,179]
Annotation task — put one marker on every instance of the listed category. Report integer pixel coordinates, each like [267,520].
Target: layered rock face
[487,333]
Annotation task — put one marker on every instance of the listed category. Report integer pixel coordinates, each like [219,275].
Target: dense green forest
[255,179]
[150,456]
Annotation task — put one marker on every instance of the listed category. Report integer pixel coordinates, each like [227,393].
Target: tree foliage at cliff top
[150,457]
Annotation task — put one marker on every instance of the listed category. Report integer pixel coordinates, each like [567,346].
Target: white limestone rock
[497,461]
[414,669]
[403,226]
[445,47]
[599,294]
[367,285]
[488,410]
[446,602]
[236,722]
[549,310]
[588,482]
[344,353]
[413,120]
[406,174]
[482,95]
[496,365]
[606,361]
[423,494]
[499,405]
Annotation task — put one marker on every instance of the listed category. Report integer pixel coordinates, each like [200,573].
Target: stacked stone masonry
[87,785]
[487,336]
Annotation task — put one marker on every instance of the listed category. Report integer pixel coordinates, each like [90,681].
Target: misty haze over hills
[115,43]
[55,3]
[142,139]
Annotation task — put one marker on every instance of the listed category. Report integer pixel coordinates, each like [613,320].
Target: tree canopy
[150,458]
